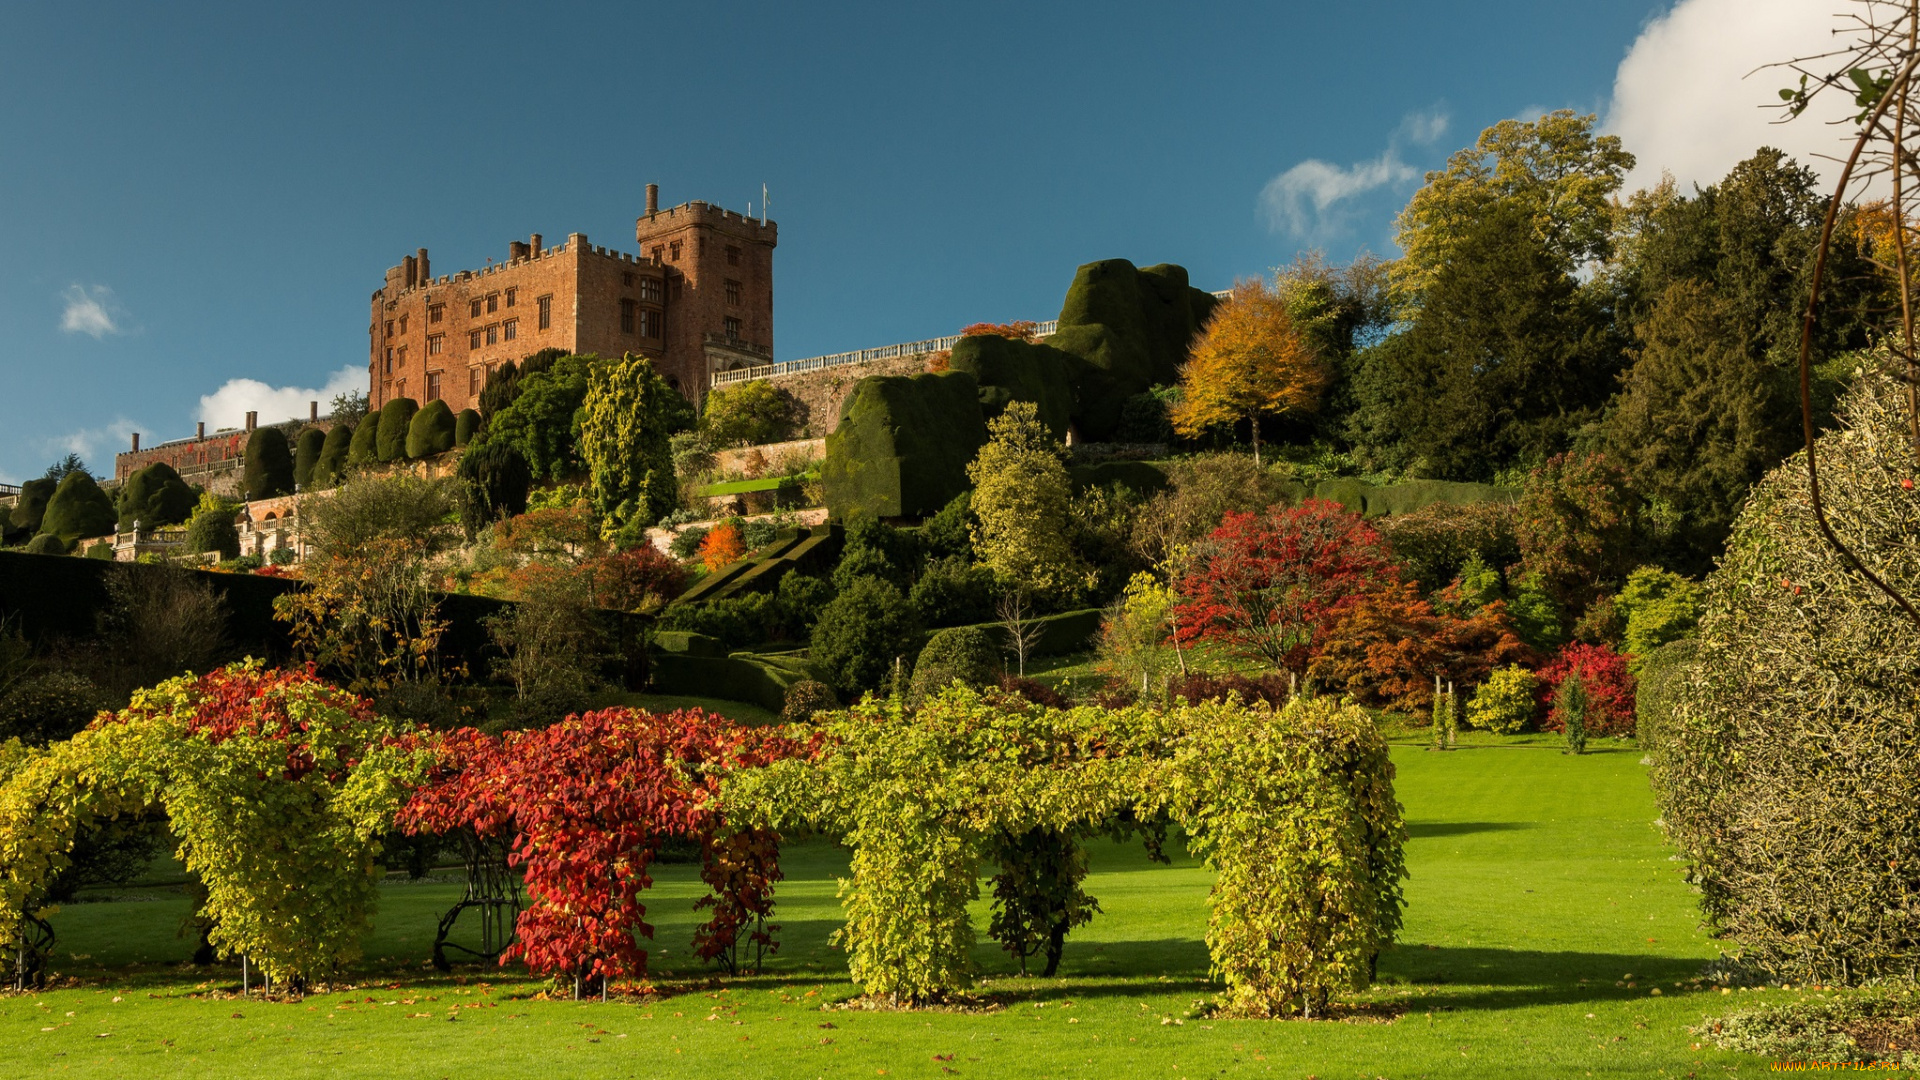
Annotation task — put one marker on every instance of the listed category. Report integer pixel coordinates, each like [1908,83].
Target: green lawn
[1538,887]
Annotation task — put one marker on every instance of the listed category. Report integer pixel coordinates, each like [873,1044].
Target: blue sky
[195,194]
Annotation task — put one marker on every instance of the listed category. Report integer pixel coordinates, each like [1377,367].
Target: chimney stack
[653,199]
[253,418]
[425,275]
[517,249]
[313,412]
[535,240]
[409,273]
[136,442]
[200,430]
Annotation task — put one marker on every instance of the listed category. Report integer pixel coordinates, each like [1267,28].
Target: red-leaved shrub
[1609,688]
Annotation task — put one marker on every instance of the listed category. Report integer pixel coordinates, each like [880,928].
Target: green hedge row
[696,665]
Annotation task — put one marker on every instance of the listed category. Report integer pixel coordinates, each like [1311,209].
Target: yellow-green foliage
[1505,702]
[287,852]
[1021,504]
[1294,808]
[625,422]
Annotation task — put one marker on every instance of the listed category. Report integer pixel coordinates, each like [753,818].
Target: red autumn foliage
[1387,648]
[1034,691]
[1200,686]
[587,802]
[625,580]
[722,546]
[1610,688]
[253,701]
[1269,585]
[1020,330]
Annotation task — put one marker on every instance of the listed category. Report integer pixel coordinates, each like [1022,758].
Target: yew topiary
[269,464]
[78,509]
[335,453]
[466,425]
[364,449]
[963,654]
[306,456]
[155,496]
[396,419]
[430,431]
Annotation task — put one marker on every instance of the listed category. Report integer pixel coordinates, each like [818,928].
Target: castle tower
[719,271]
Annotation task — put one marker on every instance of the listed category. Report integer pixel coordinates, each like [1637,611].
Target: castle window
[473,381]
[389,361]
[473,309]
[699,246]
[493,302]
[511,293]
[436,344]
[627,279]
[673,251]
[403,356]
[733,291]
[733,255]
[435,313]
[510,329]
[649,324]
[389,327]
[473,339]
[650,289]
[545,304]
[493,334]
[403,326]
[626,316]
[433,386]
[657,249]
[733,329]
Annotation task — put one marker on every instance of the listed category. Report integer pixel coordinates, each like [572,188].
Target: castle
[697,298]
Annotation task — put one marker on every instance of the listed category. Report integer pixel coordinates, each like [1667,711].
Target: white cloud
[1307,200]
[90,310]
[1690,97]
[229,405]
[96,446]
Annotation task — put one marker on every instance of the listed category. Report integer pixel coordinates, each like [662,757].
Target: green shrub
[466,425]
[1128,329]
[78,509]
[540,421]
[46,544]
[364,450]
[100,550]
[334,454]
[50,708]
[1659,606]
[430,431]
[212,530]
[625,424]
[739,621]
[863,635]
[902,445]
[156,496]
[281,556]
[396,420]
[1786,770]
[1010,371]
[802,596]
[686,543]
[306,456]
[1505,703]
[806,697]
[30,506]
[962,654]
[876,549]
[953,592]
[1658,680]
[747,414]
[948,533]
[269,464]
[1570,705]
[495,482]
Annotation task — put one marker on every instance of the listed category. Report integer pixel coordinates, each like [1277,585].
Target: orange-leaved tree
[1250,362]
[1020,330]
[721,547]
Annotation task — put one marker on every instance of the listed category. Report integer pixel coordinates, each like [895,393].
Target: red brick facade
[697,299]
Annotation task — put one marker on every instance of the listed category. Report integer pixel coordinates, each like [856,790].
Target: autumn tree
[1250,362]
[1576,523]
[746,414]
[1022,504]
[1388,647]
[1269,585]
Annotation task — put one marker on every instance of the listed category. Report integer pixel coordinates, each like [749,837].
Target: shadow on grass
[1418,830]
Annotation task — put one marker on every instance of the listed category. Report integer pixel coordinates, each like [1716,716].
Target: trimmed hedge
[1067,632]
[364,449]
[1010,371]
[390,439]
[465,426]
[156,496]
[334,453]
[268,471]
[78,509]
[1140,477]
[30,506]
[902,445]
[1128,329]
[306,456]
[431,431]
[739,677]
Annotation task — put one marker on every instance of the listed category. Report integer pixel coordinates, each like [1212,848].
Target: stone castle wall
[819,394]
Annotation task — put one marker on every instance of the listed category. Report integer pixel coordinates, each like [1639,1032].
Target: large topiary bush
[212,530]
[902,445]
[862,635]
[430,431]
[466,425]
[1786,771]
[47,544]
[1009,370]
[390,439]
[155,496]
[78,509]
[335,454]
[269,466]
[31,504]
[1128,329]
[364,450]
[306,456]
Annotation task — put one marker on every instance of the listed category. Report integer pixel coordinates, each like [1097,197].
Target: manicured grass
[1539,884]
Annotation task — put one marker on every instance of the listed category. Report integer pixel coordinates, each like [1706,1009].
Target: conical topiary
[306,456]
[78,509]
[465,426]
[334,453]
[396,417]
[268,472]
[365,448]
